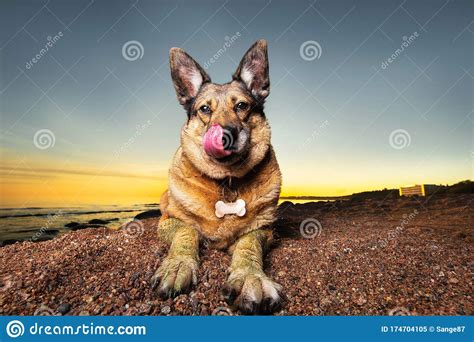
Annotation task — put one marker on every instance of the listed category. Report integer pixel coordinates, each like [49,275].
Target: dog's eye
[241,106]
[205,109]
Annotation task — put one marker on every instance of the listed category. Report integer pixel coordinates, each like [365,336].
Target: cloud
[12,171]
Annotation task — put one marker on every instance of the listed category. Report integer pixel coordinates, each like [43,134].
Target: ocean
[19,224]
[38,224]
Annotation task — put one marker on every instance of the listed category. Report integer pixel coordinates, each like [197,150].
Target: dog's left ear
[253,70]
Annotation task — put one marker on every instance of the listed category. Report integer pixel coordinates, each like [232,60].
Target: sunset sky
[342,122]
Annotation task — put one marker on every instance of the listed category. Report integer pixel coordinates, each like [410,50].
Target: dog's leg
[179,269]
[248,286]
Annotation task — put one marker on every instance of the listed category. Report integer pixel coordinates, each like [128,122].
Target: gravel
[356,262]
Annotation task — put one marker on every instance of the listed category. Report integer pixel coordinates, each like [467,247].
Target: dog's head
[227,133]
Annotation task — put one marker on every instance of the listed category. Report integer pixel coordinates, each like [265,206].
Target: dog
[224,182]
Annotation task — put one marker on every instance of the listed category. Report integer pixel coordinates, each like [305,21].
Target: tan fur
[197,181]
[192,196]
[222,98]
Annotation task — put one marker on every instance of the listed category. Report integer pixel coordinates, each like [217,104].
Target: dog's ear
[253,70]
[188,76]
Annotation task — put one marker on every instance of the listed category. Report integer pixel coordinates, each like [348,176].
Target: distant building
[418,190]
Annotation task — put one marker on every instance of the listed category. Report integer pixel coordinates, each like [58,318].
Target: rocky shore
[409,256]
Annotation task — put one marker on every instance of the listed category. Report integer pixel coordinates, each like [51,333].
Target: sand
[356,262]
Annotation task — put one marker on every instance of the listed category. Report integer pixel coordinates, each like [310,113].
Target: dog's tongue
[213,142]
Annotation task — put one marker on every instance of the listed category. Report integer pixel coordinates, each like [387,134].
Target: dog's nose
[229,137]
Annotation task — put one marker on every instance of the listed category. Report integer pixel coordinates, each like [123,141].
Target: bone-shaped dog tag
[237,208]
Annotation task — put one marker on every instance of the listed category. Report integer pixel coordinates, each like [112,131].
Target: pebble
[64,308]
[355,281]
[145,309]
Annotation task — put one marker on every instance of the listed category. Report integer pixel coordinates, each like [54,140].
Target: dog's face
[227,133]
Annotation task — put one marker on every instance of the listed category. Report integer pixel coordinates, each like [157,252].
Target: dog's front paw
[252,292]
[175,275]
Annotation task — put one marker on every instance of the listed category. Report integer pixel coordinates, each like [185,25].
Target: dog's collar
[227,190]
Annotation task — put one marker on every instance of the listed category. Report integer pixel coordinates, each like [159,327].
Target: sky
[364,94]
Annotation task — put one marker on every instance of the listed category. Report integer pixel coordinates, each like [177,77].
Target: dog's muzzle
[220,142]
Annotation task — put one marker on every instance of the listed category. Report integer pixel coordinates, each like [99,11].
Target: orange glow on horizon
[126,184]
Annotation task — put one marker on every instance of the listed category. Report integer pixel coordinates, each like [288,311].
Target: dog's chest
[219,201]
[219,208]
[225,209]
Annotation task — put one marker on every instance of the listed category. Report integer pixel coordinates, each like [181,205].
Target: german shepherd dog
[224,182]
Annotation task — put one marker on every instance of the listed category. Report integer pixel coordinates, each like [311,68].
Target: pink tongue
[213,142]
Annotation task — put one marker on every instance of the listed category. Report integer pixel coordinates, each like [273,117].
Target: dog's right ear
[188,76]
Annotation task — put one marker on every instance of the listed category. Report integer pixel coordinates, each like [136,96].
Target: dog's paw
[252,292]
[175,276]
